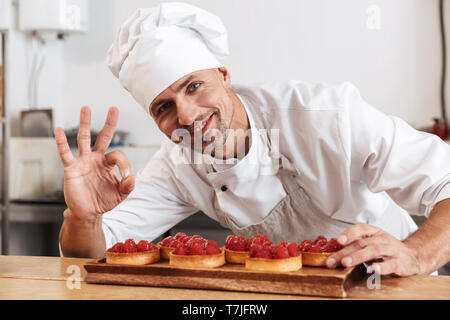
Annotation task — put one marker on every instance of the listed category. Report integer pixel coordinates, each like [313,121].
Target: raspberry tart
[315,253]
[266,256]
[197,252]
[236,249]
[131,253]
[169,243]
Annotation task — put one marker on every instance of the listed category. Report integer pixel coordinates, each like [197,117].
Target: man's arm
[81,237]
[423,252]
[431,240]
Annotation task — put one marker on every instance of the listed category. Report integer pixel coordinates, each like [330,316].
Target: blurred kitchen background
[53,63]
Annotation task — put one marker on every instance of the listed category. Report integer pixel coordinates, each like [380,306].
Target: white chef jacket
[356,163]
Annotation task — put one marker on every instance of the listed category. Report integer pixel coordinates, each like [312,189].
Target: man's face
[198,108]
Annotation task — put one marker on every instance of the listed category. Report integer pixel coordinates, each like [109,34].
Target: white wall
[397,68]
[18,66]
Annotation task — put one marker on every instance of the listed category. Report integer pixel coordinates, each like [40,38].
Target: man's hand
[91,186]
[364,243]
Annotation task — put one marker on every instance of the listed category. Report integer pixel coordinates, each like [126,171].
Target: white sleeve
[156,204]
[412,166]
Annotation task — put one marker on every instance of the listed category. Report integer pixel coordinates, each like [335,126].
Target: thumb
[127,185]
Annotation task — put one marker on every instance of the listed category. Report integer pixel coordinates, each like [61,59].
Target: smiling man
[291,160]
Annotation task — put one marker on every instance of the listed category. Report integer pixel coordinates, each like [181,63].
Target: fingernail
[342,239]
[331,262]
[126,173]
[347,261]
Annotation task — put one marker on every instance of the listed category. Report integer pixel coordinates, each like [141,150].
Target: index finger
[63,147]
[105,136]
[356,232]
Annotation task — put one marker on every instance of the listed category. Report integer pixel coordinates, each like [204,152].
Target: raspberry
[267,244]
[166,241]
[322,243]
[264,253]
[143,245]
[179,235]
[305,245]
[196,249]
[117,247]
[258,238]
[128,247]
[211,249]
[238,244]
[179,244]
[229,241]
[130,241]
[292,249]
[173,243]
[319,238]
[193,241]
[280,252]
[245,242]
[329,247]
[196,236]
[254,249]
[337,245]
[315,248]
[180,250]
[284,243]
[211,243]
[333,240]
[184,239]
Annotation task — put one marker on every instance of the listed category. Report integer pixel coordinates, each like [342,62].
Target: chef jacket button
[224,188]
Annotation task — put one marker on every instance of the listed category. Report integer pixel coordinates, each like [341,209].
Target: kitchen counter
[28,277]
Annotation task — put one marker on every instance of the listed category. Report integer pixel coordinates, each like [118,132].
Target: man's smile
[201,126]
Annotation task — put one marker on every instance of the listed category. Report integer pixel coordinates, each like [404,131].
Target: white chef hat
[157,46]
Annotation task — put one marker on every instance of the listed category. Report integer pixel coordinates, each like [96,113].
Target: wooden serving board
[307,281]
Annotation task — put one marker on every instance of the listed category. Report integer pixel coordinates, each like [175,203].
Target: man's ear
[224,77]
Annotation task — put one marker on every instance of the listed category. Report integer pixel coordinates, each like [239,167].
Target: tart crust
[135,258]
[165,251]
[316,259]
[197,261]
[276,265]
[238,257]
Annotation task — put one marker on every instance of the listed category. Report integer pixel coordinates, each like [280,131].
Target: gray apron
[295,217]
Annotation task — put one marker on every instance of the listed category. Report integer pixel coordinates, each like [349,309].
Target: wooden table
[24,277]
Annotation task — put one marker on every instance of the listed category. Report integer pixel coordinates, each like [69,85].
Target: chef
[291,160]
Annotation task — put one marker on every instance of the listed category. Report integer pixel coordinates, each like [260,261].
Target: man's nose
[187,113]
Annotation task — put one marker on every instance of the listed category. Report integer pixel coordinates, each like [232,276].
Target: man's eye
[163,108]
[194,86]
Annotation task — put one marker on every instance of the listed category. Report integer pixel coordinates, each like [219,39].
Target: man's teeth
[198,128]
